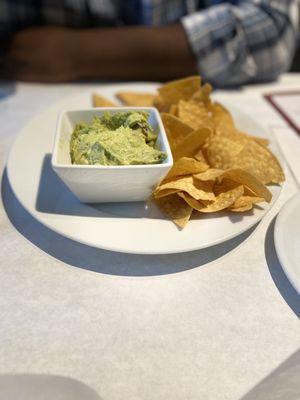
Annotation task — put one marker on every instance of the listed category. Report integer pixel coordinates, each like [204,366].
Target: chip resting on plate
[186,166]
[176,209]
[101,101]
[134,99]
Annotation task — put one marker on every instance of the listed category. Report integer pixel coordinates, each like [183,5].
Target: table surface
[207,325]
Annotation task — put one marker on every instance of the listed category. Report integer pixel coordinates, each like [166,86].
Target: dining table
[80,322]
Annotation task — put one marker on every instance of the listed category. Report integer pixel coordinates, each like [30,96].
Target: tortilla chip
[261,141]
[200,156]
[210,175]
[216,166]
[223,185]
[181,89]
[245,178]
[232,134]
[101,101]
[240,137]
[224,200]
[245,203]
[174,110]
[136,99]
[176,130]
[194,114]
[165,192]
[195,204]
[259,162]
[191,143]
[176,209]
[222,152]
[158,102]
[198,190]
[225,126]
[202,95]
[222,117]
[186,166]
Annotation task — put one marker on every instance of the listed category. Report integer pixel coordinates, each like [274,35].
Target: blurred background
[229,43]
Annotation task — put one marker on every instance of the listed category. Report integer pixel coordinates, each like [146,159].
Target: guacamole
[123,138]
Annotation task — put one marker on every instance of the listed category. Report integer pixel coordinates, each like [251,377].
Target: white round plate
[287,240]
[124,227]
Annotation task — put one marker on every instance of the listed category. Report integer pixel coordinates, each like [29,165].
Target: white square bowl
[97,183]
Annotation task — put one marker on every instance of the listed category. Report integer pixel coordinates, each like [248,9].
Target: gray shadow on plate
[54,197]
[43,387]
[282,384]
[285,288]
[103,261]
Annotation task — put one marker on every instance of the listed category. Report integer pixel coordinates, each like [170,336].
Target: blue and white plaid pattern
[248,41]
[235,42]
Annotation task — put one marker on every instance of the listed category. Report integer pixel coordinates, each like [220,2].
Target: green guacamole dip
[123,138]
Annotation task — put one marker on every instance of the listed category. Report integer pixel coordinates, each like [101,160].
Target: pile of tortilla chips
[216,166]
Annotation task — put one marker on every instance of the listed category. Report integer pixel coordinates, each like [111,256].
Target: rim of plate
[278,232]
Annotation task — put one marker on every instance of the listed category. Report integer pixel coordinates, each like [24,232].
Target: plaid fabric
[243,42]
[235,42]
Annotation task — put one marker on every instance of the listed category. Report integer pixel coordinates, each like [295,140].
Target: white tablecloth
[206,325]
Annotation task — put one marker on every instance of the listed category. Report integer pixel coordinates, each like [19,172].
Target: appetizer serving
[111,154]
[216,166]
